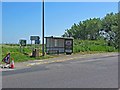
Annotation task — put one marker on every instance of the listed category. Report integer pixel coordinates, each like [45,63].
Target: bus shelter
[57,45]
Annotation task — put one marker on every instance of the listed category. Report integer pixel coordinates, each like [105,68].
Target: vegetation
[83,46]
[91,35]
[96,29]
[20,56]
[92,46]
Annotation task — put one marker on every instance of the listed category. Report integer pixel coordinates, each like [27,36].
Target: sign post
[35,49]
[22,44]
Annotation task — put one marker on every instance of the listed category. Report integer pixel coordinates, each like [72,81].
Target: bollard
[12,64]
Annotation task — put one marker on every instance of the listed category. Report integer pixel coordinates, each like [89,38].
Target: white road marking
[7,69]
[90,60]
[38,60]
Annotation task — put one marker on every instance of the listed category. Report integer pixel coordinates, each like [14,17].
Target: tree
[91,29]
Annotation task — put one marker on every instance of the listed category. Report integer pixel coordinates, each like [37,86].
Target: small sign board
[68,46]
[34,37]
[68,43]
[22,42]
[6,59]
[37,41]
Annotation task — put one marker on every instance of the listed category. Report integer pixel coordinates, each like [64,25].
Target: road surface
[93,72]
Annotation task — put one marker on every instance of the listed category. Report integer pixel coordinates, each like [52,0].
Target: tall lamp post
[42,27]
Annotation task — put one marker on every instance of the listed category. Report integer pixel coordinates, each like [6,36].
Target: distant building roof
[60,37]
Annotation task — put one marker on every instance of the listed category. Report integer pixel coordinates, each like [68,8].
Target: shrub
[92,45]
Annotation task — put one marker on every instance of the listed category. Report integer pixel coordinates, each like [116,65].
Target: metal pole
[42,27]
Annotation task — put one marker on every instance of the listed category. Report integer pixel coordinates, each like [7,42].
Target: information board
[34,37]
[22,42]
[68,46]
[37,41]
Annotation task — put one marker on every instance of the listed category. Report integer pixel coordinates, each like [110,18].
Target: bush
[92,45]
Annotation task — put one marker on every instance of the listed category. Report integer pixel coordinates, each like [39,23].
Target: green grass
[92,46]
[80,46]
[18,56]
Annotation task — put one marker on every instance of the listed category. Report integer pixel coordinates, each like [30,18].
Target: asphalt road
[88,73]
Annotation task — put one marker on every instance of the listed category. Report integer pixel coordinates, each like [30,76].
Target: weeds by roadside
[80,46]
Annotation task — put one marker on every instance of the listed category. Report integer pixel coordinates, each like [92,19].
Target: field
[21,55]
[80,46]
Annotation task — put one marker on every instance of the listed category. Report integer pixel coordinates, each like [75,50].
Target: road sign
[69,46]
[6,59]
[22,42]
[34,37]
[37,41]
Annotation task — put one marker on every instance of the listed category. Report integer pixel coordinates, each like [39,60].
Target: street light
[42,27]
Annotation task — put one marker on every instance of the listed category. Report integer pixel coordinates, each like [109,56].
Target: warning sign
[6,59]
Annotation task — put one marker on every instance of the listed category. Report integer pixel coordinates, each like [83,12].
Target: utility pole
[42,27]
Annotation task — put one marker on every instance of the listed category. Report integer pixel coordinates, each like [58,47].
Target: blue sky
[0,22]
[22,19]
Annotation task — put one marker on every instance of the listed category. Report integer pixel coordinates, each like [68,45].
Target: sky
[60,0]
[20,20]
[0,22]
